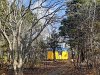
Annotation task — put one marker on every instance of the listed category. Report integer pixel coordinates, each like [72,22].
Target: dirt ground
[54,68]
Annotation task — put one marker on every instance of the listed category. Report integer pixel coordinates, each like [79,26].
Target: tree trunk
[15,66]
[20,69]
[54,57]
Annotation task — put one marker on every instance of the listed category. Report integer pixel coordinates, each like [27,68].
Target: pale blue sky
[49,2]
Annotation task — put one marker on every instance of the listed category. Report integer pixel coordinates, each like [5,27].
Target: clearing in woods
[55,68]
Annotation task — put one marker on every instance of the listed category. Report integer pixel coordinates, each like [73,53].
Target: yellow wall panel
[57,54]
[50,55]
[64,55]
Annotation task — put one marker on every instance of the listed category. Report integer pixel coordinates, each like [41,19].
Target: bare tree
[22,32]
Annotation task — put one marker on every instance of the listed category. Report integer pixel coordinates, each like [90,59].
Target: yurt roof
[59,49]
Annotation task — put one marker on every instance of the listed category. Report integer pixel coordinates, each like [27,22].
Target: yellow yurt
[60,54]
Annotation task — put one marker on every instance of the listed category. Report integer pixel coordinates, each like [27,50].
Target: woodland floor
[55,68]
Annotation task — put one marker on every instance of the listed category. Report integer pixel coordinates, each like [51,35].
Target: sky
[48,3]
[26,3]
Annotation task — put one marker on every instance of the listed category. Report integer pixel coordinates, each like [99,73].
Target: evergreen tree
[80,26]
